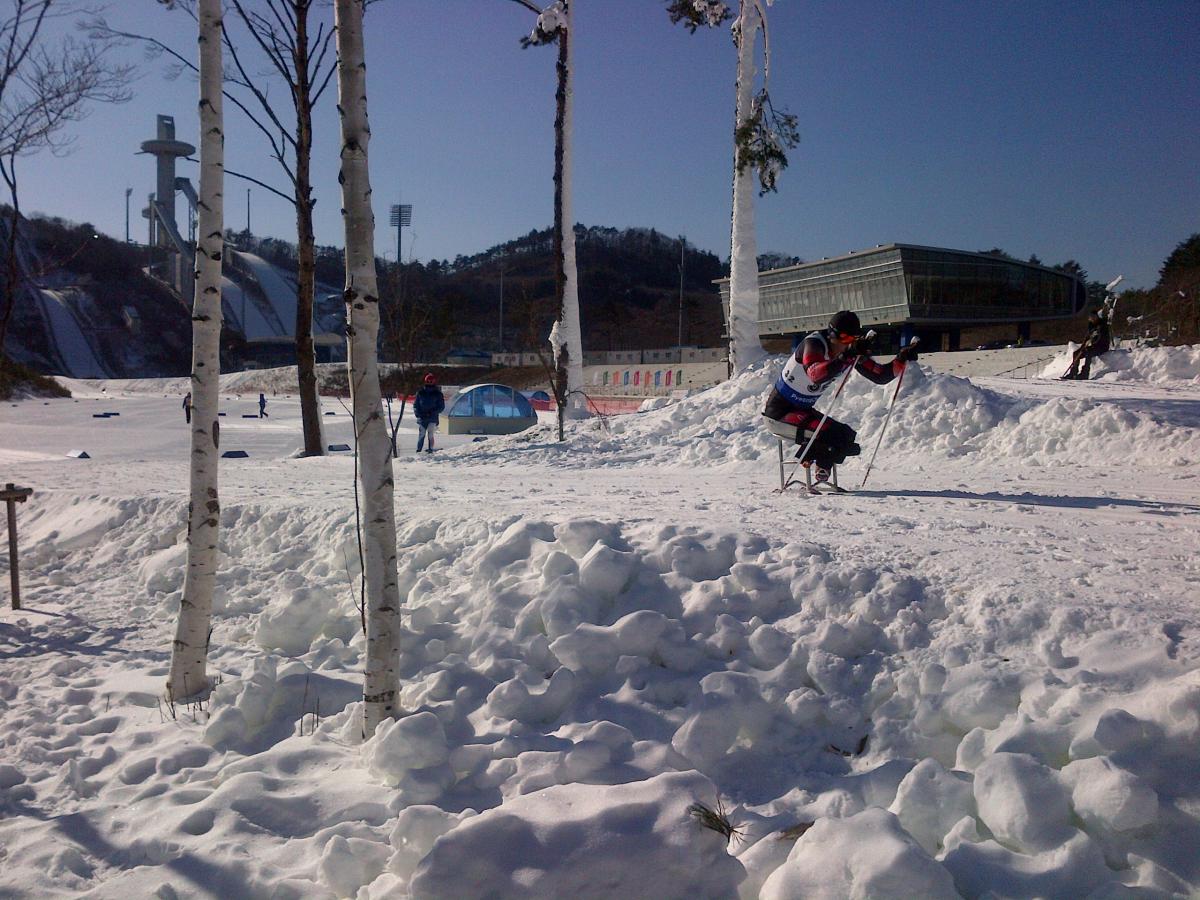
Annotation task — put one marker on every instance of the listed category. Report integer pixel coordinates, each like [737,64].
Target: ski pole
[833,402]
[886,419]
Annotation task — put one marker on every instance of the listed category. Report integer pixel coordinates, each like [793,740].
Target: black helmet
[845,322]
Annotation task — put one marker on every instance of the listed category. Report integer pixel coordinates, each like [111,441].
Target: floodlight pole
[401,215]
[128,191]
[679,333]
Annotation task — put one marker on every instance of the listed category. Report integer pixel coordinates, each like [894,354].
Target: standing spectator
[262,406]
[427,405]
[187,407]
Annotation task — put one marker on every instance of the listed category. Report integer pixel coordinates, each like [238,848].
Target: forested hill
[97,283]
[628,288]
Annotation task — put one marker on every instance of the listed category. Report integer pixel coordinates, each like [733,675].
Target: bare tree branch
[258,94]
[262,184]
[327,42]
[285,18]
[98,28]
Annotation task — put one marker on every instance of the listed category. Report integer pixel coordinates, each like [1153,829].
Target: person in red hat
[427,406]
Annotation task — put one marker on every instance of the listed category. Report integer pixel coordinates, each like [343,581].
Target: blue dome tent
[489,409]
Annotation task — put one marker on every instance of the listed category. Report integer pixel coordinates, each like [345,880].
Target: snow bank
[864,855]
[1153,365]
[279,380]
[586,840]
[937,416]
[1001,702]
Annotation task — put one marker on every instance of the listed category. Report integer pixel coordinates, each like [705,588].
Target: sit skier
[817,362]
[1096,343]
[427,405]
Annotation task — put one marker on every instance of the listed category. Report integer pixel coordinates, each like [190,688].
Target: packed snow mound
[571,686]
[936,415]
[1153,365]
[280,380]
[880,694]
[723,424]
[864,855]
[586,841]
[1062,430]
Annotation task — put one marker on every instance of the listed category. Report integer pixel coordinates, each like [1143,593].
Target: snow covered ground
[978,676]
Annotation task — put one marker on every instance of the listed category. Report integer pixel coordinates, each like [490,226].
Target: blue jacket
[428,403]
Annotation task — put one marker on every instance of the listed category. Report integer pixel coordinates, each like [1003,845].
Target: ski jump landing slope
[262,314]
[266,312]
[74,349]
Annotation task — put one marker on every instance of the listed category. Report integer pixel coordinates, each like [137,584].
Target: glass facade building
[911,289]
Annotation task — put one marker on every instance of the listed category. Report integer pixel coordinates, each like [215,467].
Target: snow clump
[586,840]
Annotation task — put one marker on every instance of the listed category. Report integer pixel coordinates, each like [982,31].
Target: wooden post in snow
[12,495]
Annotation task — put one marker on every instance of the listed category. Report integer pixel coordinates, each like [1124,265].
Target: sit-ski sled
[789,475]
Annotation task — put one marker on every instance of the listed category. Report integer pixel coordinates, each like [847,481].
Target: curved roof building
[911,289]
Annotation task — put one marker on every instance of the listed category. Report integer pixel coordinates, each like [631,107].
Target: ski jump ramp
[260,300]
[75,351]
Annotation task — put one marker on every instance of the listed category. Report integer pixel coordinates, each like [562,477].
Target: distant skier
[427,406]
[262,407]
[816,363]
[1098,340]
[187,407]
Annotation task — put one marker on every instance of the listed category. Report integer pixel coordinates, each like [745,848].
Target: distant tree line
[629,290]
[1169,311]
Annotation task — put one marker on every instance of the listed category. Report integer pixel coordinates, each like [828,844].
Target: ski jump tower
[164,232]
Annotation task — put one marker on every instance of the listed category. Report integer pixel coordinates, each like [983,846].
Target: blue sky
[1066,130]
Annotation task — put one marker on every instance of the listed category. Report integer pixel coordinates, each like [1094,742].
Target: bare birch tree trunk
[745,347]
[382,599]
[12,270]
[306,357]
[569,330]
[188,676]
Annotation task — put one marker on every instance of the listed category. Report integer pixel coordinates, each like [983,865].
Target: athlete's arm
[880,373]
[817,364]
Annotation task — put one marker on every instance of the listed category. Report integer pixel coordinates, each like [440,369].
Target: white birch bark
[188,676]
[745,347]
[570,331]
[378,526]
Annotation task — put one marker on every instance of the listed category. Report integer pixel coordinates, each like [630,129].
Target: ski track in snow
[980,674]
